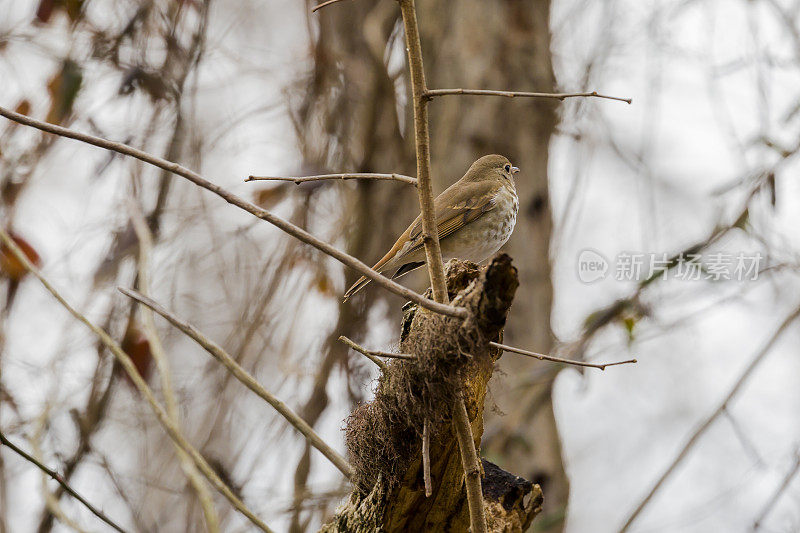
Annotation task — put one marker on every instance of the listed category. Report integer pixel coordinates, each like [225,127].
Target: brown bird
[475,217]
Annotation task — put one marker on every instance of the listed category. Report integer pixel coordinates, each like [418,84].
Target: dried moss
[384,436]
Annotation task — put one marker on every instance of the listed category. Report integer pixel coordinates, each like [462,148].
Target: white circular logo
[592,266]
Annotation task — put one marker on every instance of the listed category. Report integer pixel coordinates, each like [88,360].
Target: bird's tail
[362,282]
[386,263]
[357,286]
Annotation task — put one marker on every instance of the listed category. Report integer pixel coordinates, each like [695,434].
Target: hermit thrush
[475,217]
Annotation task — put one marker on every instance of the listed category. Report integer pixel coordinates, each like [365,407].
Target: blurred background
[701,164]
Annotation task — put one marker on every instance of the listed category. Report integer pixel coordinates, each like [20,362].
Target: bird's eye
[507,168]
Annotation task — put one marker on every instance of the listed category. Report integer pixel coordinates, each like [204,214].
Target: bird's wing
[455,208]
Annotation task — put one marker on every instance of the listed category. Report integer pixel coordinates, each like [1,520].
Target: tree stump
[384,436]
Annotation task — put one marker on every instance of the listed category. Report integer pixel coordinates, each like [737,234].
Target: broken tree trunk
[384,437]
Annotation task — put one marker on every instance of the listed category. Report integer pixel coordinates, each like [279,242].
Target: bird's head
[492,168]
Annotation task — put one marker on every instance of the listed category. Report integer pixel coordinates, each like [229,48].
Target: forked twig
[373,355]
[430,231]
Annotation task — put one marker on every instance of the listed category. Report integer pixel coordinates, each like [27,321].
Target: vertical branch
[426,457]
[433,251]
[472,469]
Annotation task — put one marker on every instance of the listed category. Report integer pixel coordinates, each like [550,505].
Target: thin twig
[366,353]
[778,491]
[373,355]
[295,231]
[710,419]
[431,93]
[160,357]
[139,383]
[323,4]
[55,475]
[433,252]
[426,457]
[543,357]
[346,176]
[246,379]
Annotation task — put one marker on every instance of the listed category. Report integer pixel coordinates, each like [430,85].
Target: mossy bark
[384,436]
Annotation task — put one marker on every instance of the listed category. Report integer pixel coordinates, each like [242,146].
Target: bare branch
[160,357]
[431,93]
[430,230]
[55,475]
[140,385]
[543,357]
[249,381]
[346,176]
[323,4]
[759,357]
[231,198]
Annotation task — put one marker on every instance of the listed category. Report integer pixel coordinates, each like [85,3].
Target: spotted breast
[487,234]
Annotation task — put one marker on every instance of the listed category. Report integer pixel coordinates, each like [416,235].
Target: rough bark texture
[506,45]
[384,436]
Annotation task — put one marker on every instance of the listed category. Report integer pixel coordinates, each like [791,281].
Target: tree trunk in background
[348,121]
[506,45]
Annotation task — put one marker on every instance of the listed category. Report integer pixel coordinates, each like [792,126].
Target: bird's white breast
[488,233]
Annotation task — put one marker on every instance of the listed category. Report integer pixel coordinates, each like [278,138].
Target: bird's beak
[514,170]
